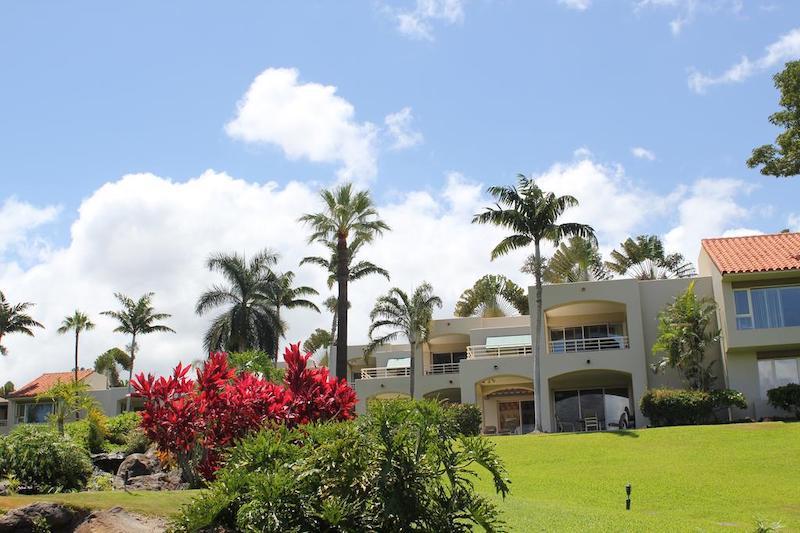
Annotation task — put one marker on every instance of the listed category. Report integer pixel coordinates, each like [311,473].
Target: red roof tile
[45,381]
[756,253]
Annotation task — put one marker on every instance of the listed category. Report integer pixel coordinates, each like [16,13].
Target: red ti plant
[198,420]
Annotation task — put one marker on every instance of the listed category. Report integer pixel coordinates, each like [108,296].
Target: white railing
[443,368]
[384,372]
[590,345]
[478,351]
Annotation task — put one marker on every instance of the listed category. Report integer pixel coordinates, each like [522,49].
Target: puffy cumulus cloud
[18,220]
[786,48]
[643,153]
[401,130]
[417,22]
[577,5]
[306,120]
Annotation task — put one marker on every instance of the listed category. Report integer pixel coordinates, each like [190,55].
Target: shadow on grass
[625,433]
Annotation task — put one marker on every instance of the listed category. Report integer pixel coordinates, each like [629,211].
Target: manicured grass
[702,478]
[165,503]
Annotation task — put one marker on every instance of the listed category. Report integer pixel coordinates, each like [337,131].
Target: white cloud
[643,153]
[582,153]
[306,120]
[577,5]
[18,219]
[400,128]
[794,221]
[417,23]
[786,48]
[686,11]
[741,232]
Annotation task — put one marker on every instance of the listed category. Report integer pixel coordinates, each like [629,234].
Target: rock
[108,462]
[119,520]
[3,488]
[59,518]
[138,464]
[159,481]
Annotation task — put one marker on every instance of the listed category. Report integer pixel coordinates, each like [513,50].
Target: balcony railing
[479,351]
[384,372]
[443,368]
[618,342]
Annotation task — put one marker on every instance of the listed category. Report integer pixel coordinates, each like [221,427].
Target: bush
[43,460]
[100,482]
[136,442]
[675,407]
[786,397]
[119,427]
[465,417]
[89,433]
[401,467]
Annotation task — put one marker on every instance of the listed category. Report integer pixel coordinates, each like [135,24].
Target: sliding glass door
[607,404]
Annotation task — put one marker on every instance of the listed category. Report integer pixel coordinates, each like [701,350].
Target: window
[588,338]
[767,307]
[447,358]
[606,404]
[774,373]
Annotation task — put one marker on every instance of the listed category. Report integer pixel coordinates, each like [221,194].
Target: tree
[13,319]
[136,318]
[68,398]
[109,362]
[645,259]
[532,216]
[78,322]
[782,159]
[491,296]
[256,362]
[251,320]
[685,335]
[284,294]
[398,315]
[7,388]
[318,339]
[578,260]
[349,217]
[358,270]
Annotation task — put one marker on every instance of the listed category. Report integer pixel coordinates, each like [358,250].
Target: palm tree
[137,317]
[290,297]
[578,260]
[13,319]
[491,296]
[319,338]
[645,259]
[358,270]
[403,316]
[7,389]
[532,216]
[349,217]
[108,362]
[250,321]
[78,322]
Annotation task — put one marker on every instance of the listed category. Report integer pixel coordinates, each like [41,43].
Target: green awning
[510,341]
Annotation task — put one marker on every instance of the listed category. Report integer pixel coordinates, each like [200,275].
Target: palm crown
[645,259]
[490,296]
[14,319]
[78,323]
[578,260]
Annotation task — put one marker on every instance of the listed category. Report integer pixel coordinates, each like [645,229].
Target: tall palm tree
[13,319]
[135,318]
[78,322]
[532,217]
[644,258]
[348,217]
[250,321]
[358,270]
[577,260]
[284,294]
[491,296]
[404,316]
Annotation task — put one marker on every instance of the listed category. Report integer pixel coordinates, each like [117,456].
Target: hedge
[676,407]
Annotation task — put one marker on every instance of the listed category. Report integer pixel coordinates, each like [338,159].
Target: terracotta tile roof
[756,253]
[45,381]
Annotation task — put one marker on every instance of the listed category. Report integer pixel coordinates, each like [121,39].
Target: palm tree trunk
[411,369]
[77,336]
[277,337]
[537,342]
[130,372]
[342,273]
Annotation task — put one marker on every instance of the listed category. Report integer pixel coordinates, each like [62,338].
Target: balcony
[442,368]
[597,344]
[384,372]
[482,351]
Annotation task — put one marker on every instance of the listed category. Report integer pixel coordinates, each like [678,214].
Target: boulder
[108,462]
[59,518]
[138,464]
[4,488]
[159,481]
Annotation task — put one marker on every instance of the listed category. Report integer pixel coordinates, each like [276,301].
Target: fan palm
[348,217]
[78,322]
[135,318]
[491,296]
[644,258]
[251,320]
[398,315]
[284,294]
[13,319]
[532,216]
[577,260]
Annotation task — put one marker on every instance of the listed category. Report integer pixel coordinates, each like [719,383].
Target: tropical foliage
[255,362]
[285,294]
[109,364]
[14,319]
[349,220]
[644,258]
[69,399]
[573,261]
[532,216]
[685,334]
[677,407]
[786,397]
[77,322]
[492,296]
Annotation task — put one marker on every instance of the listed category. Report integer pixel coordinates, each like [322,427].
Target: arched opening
[506,403]
[586,326]
[584,395]
[451,395]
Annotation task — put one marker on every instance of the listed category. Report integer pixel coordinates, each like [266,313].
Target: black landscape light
[628,499]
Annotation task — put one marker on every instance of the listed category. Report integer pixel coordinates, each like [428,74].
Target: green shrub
[675,407]
[136,442]
[100,482]
[43,460]
[401,467]
[465,417]
[786,397]
[120,426]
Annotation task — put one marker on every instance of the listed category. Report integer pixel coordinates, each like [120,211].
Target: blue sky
[479,90]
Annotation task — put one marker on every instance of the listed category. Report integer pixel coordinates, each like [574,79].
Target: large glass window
[607,405]
[774,373]
[592,337]
[767,307]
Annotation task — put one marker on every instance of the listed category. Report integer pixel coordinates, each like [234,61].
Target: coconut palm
[284,294]
[398,315]
[532,217]
[136,318]
[109,362]
[78,322]
[348,217]
[358,270]
[13,319]
[250,320]
[577,260]
[491,296]
[644,258]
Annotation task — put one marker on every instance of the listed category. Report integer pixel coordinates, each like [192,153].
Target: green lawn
[704,478]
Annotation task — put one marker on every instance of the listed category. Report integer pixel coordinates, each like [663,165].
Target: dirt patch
[118,520]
